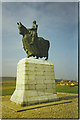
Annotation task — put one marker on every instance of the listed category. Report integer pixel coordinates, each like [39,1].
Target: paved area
[65,107]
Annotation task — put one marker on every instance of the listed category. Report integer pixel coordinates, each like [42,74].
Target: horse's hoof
[37,57]
[46,58]
[27,52]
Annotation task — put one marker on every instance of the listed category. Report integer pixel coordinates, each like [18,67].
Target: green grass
[7,92]
[67,89]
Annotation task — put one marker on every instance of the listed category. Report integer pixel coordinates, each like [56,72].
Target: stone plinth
[35,82]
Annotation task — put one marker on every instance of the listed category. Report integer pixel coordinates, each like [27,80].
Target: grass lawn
[8,84]
[67,89]
[8,92]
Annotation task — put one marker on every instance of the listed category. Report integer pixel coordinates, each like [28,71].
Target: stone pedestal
[35,82]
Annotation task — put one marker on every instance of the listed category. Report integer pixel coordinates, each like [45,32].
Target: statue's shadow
[60,100]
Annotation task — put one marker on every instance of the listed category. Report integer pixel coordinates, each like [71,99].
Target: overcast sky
[58,23]
[39,0]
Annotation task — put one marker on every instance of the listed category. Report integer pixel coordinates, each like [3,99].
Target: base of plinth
[35,82]
[32,97]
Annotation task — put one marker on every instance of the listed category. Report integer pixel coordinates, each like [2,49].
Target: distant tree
[62,81]
[71,80]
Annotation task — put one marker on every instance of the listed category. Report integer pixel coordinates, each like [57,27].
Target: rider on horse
[33,32]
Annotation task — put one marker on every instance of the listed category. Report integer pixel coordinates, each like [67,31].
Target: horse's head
[22,29]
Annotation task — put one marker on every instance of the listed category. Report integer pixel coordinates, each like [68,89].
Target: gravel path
[66,107]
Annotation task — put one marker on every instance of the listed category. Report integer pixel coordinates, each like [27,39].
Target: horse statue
[38,48]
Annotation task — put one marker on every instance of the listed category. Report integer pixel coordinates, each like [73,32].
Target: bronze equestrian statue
[32,44]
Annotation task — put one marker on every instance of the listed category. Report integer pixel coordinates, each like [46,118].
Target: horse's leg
[47,56]
[27,53]
[37,57]
[27,56]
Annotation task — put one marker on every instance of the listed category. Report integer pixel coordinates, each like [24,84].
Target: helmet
[34,21]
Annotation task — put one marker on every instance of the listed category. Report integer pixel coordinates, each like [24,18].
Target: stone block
[33,100]
[48,73]
[53,81]
[54,86]
[31,93]
[32,68]
[32,77]
[49,90]
[40,77]
[40,93]
[48,81]
[31,86]
[54,91]
[39,66]
[50,85]
[31,81]
[39,69]
[52,77]
[43,99]
[39,81]
[26,77]
[40,86]
[48,77]
[47,94]
[40,73]
[52,97]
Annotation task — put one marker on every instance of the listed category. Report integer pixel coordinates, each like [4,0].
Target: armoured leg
[33,38]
